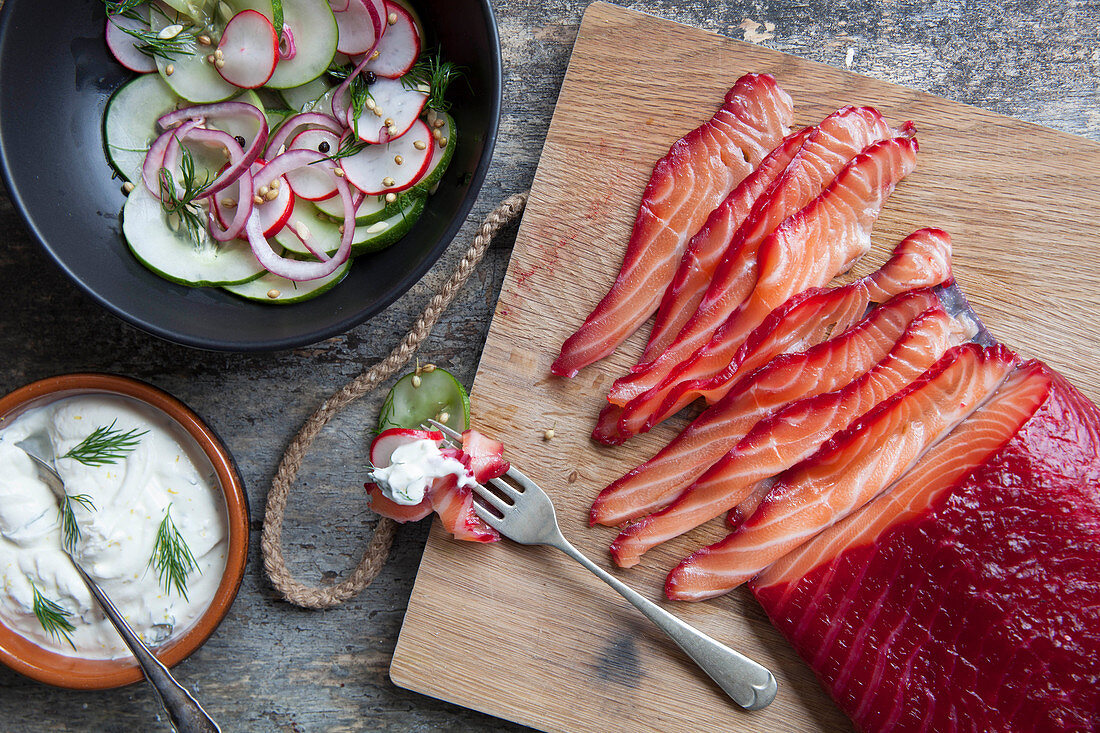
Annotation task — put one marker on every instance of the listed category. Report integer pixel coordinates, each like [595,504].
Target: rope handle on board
[378,549]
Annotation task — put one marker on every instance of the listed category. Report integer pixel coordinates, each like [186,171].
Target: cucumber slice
[373,208]
[409,406]
[130,123]
[307,94]
[193,77]
[326,233]
[287,292]
[441,157]
[314,29]
[174,256]
[197,10]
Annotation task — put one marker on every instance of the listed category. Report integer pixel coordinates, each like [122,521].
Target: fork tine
[488,517]
[527,484]
[450,433]
[506,489]
[491,498]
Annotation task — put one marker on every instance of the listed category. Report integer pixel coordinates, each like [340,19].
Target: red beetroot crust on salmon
[984,611]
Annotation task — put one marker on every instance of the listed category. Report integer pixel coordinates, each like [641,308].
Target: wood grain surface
[525,634]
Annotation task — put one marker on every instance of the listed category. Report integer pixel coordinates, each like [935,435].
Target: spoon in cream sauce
[185,713]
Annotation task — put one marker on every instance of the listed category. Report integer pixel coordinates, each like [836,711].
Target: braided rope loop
[271,541]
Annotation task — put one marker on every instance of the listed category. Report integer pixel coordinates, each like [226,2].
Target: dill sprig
[435,74]
[54,618]
[183,204]
[172,558]
[105,446]
[349,145]
[123,7]
[358,91]
[151,42]
[70,530]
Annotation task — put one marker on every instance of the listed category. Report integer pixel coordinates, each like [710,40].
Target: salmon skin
[827,151]
[922,259]
[790,436]
[785,379]
[847,472]
[699,171]
[806,251]
[705,250]
[975,606]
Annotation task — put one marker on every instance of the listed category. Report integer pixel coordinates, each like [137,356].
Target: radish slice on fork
[392,166]
[400,46]
[360,26]
[124,47]
[308,182]
[398,107]
[249,50]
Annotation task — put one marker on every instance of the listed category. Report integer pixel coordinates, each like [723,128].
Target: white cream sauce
[131,498]
[413,467]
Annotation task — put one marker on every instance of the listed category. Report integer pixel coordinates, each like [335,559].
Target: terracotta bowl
[40,664]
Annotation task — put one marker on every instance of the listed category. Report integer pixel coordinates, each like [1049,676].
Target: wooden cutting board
[524,633]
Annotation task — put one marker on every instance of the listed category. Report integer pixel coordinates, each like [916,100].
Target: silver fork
[528,518]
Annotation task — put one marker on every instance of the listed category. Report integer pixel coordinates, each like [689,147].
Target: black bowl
[55,78]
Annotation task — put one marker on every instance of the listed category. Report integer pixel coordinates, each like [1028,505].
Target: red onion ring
[339,110]
[299,270]
[220,109]
[163,153]
[295,122]
[244,181]
[287,40]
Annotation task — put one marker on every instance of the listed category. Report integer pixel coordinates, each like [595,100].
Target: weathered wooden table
[272,666]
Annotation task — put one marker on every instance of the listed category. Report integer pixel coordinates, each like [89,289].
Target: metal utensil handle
[749,684]
[185,713]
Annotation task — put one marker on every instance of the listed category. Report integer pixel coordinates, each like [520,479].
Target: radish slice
[274,214]
[360,26]
[338,6]
[375,169]
[308,182]
[400,45]
[398,107]
[124,47]
[249,48]
[390,440]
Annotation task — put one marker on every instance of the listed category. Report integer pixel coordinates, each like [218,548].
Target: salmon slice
[705,250]
[968,446]
[828,150]
[847,472]
[970,606]
[806,251]
[789,377]
[922,259]
[789,436]
[699,171]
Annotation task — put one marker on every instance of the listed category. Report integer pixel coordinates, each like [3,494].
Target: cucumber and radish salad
[267,143]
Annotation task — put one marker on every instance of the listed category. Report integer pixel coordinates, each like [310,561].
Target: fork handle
[749,684]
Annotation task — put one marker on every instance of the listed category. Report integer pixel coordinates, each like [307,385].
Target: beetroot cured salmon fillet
[806,251]
[785,379]
[827,151]
[971,607]
[699,171]
[922,259]
[789,436]
[847,472]
[705,250]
